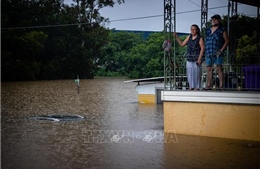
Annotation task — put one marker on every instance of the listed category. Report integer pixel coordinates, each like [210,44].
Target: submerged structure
[58,118]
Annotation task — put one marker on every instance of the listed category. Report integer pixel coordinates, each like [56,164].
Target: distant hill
[147,33]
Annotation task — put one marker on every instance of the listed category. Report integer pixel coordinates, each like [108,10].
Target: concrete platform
[234,115]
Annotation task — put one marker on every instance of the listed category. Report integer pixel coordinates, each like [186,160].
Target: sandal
[220,88]
[207,88]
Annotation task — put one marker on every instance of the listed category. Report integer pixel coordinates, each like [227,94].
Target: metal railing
[236,77]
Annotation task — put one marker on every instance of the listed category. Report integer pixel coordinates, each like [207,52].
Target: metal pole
[204,19]
[228,29]
[169,65]
[164,59]
[174,42]
[204,16]
[258,38]
[78,82]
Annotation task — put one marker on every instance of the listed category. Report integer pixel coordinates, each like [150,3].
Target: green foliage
[246,52]
[129,54]
[33,42]
[32,51]
[114,55]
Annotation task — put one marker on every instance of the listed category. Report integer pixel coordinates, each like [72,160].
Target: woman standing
[195,51]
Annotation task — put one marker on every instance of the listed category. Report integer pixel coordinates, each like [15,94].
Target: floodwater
[118,132]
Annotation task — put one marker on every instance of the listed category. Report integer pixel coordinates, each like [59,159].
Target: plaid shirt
[214,41]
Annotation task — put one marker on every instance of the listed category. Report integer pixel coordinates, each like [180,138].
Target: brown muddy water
[117,132]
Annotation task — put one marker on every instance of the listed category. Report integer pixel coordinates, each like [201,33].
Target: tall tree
[246,52]
[114,55]
[51,40]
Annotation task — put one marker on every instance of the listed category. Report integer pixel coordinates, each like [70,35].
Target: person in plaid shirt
[216,42]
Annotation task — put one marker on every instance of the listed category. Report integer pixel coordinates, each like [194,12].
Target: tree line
[45,40]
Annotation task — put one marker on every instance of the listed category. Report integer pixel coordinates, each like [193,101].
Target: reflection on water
[117,133]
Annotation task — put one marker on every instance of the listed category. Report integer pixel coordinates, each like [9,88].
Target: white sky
[144,8]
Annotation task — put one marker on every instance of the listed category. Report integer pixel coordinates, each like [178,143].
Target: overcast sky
[188,13]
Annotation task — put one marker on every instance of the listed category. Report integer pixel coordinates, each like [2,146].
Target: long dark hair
[197,27]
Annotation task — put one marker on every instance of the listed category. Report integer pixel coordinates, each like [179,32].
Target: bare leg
[220,75]
[209,76]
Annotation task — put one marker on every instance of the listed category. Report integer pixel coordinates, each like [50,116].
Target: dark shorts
[214,60]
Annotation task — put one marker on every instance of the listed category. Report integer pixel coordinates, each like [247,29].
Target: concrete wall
[235,121]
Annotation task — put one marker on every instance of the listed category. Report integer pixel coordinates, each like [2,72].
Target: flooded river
[117,131]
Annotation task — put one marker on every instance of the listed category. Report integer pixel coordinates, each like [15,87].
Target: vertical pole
[204,16]
[169,65]
[258,38]
[79,22]
[78,82]
[164,56]
[174,41]
[228,29]
[204,19]
[232,31]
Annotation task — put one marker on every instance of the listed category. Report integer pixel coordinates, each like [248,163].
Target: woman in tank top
[195,51]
